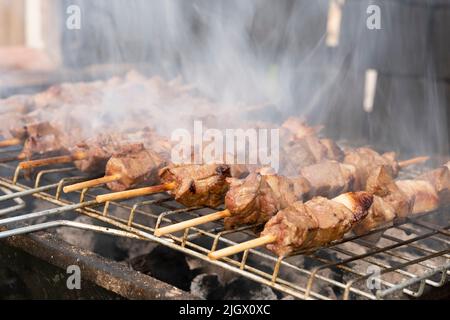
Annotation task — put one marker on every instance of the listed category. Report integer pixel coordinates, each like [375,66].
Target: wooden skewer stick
[123,195]
[19,157]
[10,142]
[192,222]
[54,160]
[258,242]
[91,183]
[410,162]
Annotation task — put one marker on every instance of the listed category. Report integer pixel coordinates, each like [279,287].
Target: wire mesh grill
[410,256]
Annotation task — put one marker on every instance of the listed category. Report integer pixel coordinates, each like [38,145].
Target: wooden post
[12,22]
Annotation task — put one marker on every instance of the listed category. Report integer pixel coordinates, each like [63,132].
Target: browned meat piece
[241,171]
[301,147]
[296,128]
[13,112]
[151,140]
[366,161]
[97,152]
[44,139]
[258,197]
[21,126]
[423,194]
[333,150]
[70,93]
[329,178]
[382,184]
[100,149]
[404,197]
[307,151]
[389,202]
[298,153]
[198,185]
[317,148]
[382,213]
[135,165]
[440,179]
[12,124]
[18,104]
[295,155]
[53,96]
[316,223]
[238,170]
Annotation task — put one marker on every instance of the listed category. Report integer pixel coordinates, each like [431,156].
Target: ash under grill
[410,258]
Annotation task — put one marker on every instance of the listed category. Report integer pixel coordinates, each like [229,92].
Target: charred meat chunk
[258,197]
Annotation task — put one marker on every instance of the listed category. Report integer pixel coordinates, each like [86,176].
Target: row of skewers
[54,121]
[207,184]
[127,165]
[319,221]
[332,192]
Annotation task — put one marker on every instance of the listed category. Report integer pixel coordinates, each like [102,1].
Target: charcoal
[134,248]
[373,238]
[199,267]
[207,286]
[241,288]
[165,264]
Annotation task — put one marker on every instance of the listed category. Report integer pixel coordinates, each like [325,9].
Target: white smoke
[273,56]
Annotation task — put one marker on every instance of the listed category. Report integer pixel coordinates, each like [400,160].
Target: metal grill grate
[410,256]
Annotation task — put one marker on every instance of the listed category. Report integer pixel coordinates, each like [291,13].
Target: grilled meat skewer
[43,127]
[16,112]
[191,185]
[440,179]
[88,156]
[302,226]
[198,184]
[301,137]
[92,155]
[68,108]
[259,198]
[402,198]
[129,166]
[309,225]
[389,201]
[302,147]
[365,160]
[135,166]
[255,199]
[39,139]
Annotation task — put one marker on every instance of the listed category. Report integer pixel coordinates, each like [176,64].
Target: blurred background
[370,71]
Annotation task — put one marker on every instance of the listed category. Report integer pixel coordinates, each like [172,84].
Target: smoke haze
[272,57]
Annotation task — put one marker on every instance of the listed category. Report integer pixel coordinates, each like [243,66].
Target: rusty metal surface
[42,260]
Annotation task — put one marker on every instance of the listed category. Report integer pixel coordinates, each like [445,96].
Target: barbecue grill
[387,88]
[411,258]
